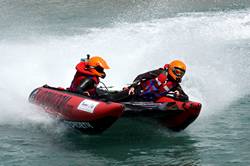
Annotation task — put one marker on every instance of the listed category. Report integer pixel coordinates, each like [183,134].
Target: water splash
[210,44]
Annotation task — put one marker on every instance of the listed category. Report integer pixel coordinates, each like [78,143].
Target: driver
[152,85]
[88,74]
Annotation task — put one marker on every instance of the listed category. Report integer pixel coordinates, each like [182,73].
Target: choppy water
[41,41]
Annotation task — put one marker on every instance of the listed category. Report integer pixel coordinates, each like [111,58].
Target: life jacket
[81,74]
[157,87]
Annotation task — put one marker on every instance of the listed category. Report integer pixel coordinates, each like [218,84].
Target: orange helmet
[177,70]
[97,66]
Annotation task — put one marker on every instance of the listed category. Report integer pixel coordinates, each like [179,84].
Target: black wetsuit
[123,96]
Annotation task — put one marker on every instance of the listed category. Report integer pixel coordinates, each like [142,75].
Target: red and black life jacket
[81,74]
[158,86]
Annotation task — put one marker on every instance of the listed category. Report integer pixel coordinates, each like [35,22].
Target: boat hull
[173,114]
[95,116]
[82,113]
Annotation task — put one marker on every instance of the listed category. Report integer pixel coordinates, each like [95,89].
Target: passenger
[152,85]
[88,74]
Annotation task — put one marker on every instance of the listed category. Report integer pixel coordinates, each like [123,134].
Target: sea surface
[41,41]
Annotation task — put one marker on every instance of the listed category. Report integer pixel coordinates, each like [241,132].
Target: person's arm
[145,76]
[181,94]
[86,85]
[142,77]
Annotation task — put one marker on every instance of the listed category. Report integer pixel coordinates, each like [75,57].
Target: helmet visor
[99,69]
[178,72]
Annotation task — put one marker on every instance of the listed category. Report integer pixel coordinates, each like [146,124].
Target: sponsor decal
[87,105]
[79,125]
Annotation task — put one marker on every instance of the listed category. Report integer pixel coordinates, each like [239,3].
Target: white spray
[211,44]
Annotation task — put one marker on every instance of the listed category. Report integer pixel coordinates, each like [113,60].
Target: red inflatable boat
[94,116]
[79,112]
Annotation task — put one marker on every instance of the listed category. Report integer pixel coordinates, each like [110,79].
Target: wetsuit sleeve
[86,85]
[183,96]
[146,76]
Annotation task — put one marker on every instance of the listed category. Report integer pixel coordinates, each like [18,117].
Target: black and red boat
[95,116]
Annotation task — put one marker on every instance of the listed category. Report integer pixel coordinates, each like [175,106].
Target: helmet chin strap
[103,76]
